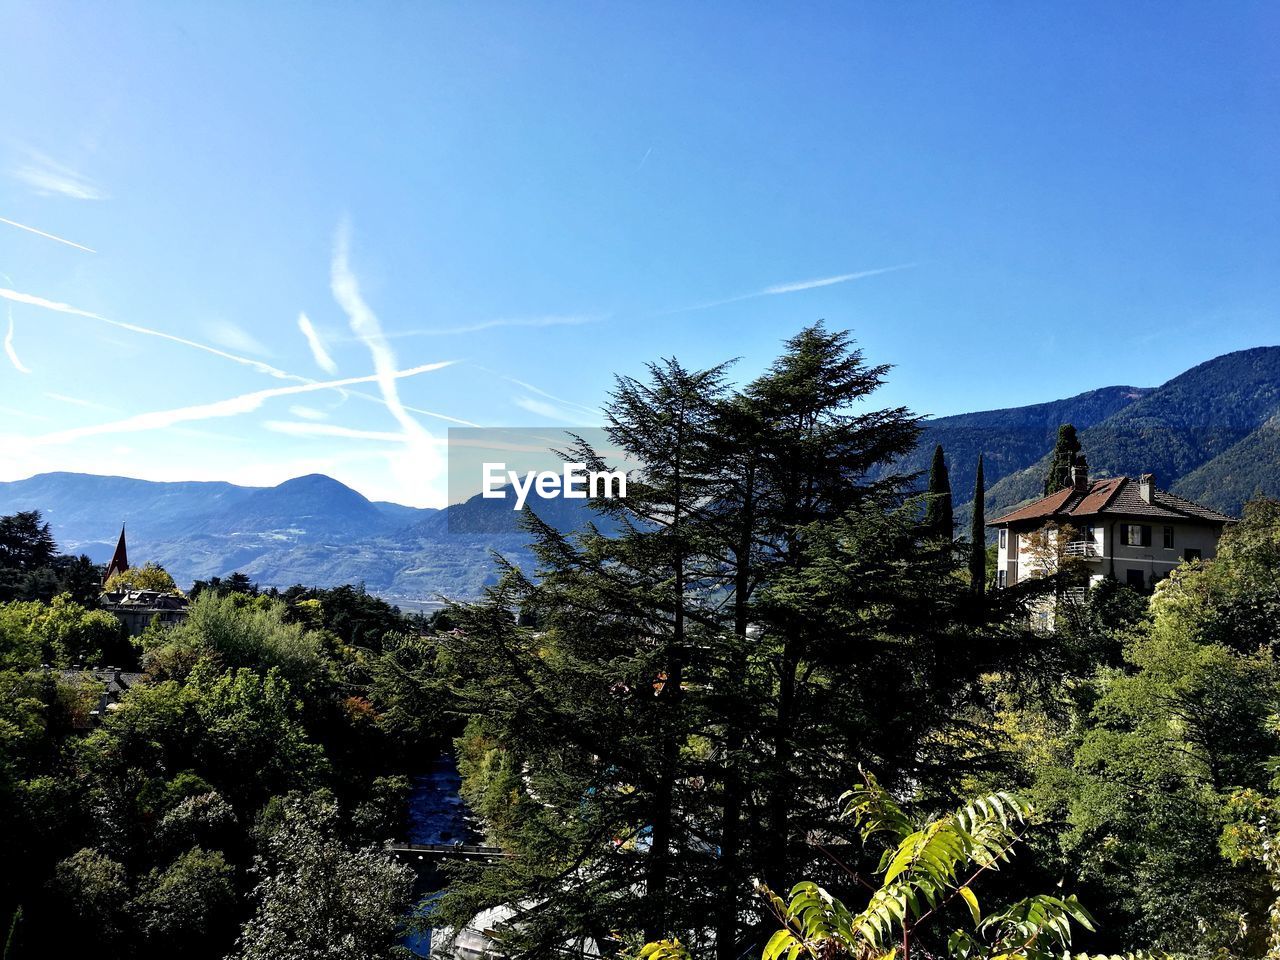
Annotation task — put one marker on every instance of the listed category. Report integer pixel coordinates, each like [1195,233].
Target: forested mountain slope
[1177,431]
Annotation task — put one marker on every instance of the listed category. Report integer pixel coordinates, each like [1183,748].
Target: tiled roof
[1191,508]
[1101,493]
[1041,508]
[1130,503]
[1117,496]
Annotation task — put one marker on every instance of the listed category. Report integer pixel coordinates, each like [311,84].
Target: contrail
[365,325]
[8,347]
[543,393]
[298,428]
[318,352]
[47,236]
[258,365]
[230,407]
[827,281]
[57,307]
[795,287]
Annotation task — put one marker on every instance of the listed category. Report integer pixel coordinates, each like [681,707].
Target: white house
[1126,529]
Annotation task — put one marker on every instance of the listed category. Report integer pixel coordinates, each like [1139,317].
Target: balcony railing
[1085,549]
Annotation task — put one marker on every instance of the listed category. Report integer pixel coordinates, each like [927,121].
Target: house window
[1191,554]
[1004,539]
[1135,578]
[1000,575]
[1135,535]
[1168,538]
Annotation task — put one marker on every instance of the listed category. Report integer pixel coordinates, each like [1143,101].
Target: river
[436,814]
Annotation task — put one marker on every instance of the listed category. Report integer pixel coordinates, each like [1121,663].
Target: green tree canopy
[939,510]
[1061,460]
[149,577]
[318,897]
[978,535]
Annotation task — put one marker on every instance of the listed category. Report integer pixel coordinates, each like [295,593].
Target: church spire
[119,560]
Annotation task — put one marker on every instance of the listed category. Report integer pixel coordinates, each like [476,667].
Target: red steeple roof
[119,560]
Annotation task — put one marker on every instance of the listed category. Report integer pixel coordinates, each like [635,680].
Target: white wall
[1156,559]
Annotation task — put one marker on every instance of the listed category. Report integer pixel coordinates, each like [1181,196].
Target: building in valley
[1119,527]
[136,608]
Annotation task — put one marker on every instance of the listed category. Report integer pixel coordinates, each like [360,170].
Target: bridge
[447,851]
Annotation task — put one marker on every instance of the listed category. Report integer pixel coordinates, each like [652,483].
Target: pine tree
[1062,460]
[938,514]
[745,631]
[978,536]
[601,704]
[817,452]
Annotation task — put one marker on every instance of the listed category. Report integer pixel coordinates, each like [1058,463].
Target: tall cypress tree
[1061,460]
[978,536]
[938,514]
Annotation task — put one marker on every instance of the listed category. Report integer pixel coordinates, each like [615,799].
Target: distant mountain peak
[313,482]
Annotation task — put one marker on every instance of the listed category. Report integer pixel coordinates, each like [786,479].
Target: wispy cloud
[793,287]
[426,413]
[550,396]
[307,413]
[322,357]
[35,301]
[8,346]
[265,368]
[553,320]
[366,326]
[232,336]
[421,460]
[50,178]
[544,409]
[295,428]
[47,236]
[828,281]
[230,407]
[77,402]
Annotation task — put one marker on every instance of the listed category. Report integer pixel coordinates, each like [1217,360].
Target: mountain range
[1211,434]
[312,530]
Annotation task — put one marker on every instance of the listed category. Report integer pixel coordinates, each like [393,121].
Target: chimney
[1147,487]
[1080,474]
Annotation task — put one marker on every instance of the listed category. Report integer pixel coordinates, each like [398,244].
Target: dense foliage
[652,723]
[660,724]
[233,802]
[150,576]
[1163,714]
[31,568]
[1062,459]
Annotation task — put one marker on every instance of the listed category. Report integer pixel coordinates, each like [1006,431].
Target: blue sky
[1024,200]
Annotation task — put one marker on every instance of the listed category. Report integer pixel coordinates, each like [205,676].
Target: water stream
[436,814]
